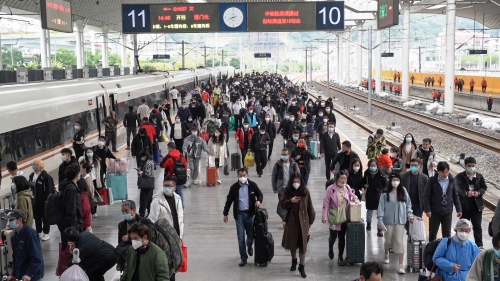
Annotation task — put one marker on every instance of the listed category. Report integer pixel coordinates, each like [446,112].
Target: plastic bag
[75,272]
[211,161]
[184,266]
[164,137]
[249,160]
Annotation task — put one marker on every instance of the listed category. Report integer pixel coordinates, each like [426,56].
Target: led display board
[478,52]
[387,55]
[262,55]
[56,15]
[283,16]
[387,13]
[184,18]
[158,57]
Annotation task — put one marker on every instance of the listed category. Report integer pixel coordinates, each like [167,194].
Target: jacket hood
[174,154]
[26,192]
[431,148]
[65,183]
[147,123]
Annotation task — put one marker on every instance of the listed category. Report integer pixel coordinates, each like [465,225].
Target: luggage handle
[6,207]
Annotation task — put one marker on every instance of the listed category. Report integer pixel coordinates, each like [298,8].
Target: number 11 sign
[330,15]
[136,18]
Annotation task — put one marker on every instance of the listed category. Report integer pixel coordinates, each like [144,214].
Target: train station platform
[213,246]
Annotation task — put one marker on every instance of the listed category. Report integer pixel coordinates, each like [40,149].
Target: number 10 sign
[330,15]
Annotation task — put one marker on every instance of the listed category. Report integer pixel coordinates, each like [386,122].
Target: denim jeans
[244,223]
[178,190]
[130,131]
[369,215]
[305,175]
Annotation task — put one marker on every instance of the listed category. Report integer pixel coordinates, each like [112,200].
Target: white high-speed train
[37,119]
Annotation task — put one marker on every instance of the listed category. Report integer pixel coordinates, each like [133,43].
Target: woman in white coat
[168,205]
[217,148]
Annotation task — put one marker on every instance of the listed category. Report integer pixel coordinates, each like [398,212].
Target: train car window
[56,133]
[120,113]
[90,118]
[6,151]
[24,145]
[41,138]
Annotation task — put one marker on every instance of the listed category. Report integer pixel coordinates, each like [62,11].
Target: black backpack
[260,222]
[53,208]
[180,171]
[429,251]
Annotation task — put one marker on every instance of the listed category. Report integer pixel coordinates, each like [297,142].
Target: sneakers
[219,182]
[128,148]
[368,226]
[242,263]
[94,215]
[45,237]
[195,182]
[386,259]
[250,251]
[40,235]
[380,234]
[401,270]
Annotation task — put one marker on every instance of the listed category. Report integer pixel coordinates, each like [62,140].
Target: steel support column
[124,49]
[347,57]
[359,55]
[104,49]
[378,63]
[79,49]
[405,92]
[449,84]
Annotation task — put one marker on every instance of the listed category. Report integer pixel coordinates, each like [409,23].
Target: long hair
[404,142]
[354,161]
[290,191]
[220,139]
[94,157]
[21,183]
[401,197]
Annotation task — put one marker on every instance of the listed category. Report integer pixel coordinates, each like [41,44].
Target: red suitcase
[104,194]
[211,176]
[63,262]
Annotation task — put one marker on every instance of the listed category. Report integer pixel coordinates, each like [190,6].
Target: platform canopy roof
[101,13]
[486,12]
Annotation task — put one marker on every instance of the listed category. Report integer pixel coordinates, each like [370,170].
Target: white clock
[233,17]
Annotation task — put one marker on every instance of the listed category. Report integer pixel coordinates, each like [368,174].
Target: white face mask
[267,118]
[243,180]
[463,236]
[395,183]
[394,155]
[339,184]
[100,143]
[217,134]
[296,185]
[64,157]
[136,244]
[355,168]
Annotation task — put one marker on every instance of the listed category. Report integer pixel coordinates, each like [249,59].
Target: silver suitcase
[415,255]
[4,269]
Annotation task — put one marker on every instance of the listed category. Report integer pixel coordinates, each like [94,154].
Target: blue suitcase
[314,146]
[157,155]
[118,185]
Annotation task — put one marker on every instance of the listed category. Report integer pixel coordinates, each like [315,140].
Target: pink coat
[331,201]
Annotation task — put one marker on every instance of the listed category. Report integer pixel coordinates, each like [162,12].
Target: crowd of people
[399,183]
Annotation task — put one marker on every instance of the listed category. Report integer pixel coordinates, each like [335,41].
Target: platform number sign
[136,18]
[330,15]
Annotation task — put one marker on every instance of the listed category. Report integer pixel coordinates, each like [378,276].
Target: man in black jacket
[271,131]
[224,116]
[244,195]
[258,145]
[70,208]
[131,122]
[67,159]
[471,187]
[141,142]
[329,144]
[343,158]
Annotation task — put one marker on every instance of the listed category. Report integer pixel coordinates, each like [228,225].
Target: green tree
[63,58]
[235,62]
[216,62]
[114,59]
[12,59]
[93,60]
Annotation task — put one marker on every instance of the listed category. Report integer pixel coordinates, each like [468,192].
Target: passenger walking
[192,148]
[23,197]
[168,205]
[440,81]
[131,121]
[338,196]
[385,162]
[43,185]
[471,187]
[455,255]
[258,145]
[426,153]
[302,155]
[394,210]
[78,140]
[111,126]
[146,182]
[297,199]
[169,164]
[97,256]
[282,170]
[244,195]
[415,181]
[329,143]
[71,211]
[397,163]
[374,183]
[471,84]
[406,149]
[145,260]
[174,93]
[271,131]
[178,132]
[103,152]
[141,142]
[355,177]
[440,195]
[85,170]
[143,110]
[184,112]
[412,79]
[484,84]
[343,159]
[243,136]
[371,271]
[217,148]
[486,265]
[376,142]
[489,101]
[27,258]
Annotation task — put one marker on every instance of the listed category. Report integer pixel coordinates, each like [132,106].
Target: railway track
[488,142]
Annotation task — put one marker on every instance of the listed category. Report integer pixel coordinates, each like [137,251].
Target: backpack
[180,171]
[165,237]
[260,222]
[429,251]
[53,208]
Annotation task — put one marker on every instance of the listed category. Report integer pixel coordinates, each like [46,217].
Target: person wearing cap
[376,142]
[253,119]
[455,255]
[394,210]
[471,187]
[27,258]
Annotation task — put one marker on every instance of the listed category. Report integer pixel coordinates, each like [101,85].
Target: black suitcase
[4,269]
[355,242]
[264,242]
[235,161]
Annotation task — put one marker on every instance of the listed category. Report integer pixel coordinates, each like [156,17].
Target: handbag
[226,167]
[97,199]
[337,215]
[283,213]
[184,265]
[146,182]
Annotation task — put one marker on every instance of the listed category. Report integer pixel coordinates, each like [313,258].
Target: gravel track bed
[487,161]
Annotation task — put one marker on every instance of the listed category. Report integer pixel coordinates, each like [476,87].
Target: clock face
[233,17]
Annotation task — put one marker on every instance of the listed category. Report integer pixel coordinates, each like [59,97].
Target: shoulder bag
[145,182]
[337,216]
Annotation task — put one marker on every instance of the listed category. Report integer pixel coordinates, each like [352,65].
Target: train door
[100,110]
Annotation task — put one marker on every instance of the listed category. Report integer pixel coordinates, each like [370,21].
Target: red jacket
[150,129]
[168,162]
[241,135]
[86,214]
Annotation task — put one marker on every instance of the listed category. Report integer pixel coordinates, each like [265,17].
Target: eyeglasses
[444,199]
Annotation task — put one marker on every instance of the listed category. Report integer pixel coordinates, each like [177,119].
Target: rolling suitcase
[355,241]
[415,255]
[3,212]
[313,145]
[104,194]
[118,183]
[7,241]
[264,242]
[157,155]
[4,268]
[236,159]
[211,176]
